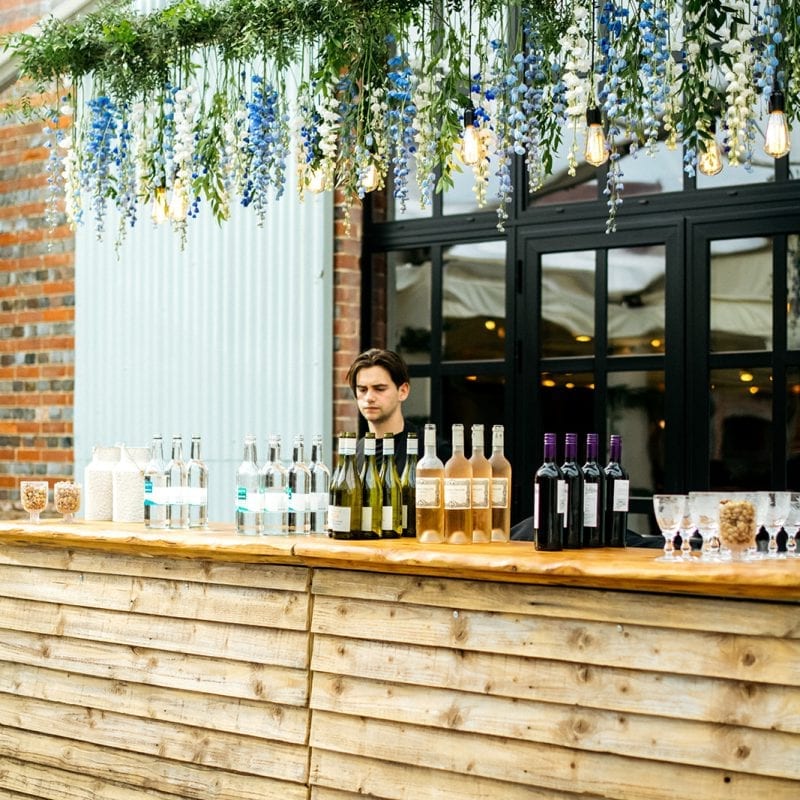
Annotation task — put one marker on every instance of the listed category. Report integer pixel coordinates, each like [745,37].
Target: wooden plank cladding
[482,689]
[126,677]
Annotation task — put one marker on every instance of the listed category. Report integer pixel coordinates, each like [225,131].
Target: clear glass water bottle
[155,487]
[177,483]
[298,489]
[274,484]
[249,498]
[320,486]
[197,483]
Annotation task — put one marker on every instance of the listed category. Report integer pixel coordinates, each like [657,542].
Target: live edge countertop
[634,569]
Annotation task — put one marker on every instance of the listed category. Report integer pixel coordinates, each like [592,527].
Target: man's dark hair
[388,359]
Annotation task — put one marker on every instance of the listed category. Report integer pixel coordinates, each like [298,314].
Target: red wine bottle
[549,500]
[617,493]
[594,495]
[573,477]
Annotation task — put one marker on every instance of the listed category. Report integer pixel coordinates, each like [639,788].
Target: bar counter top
[631,569]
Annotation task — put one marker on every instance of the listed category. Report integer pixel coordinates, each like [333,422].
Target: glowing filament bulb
[709,161]
[179,204]
[316,183]
[370,179]
[596,152]
[776,139]
[160,212]
[471,144]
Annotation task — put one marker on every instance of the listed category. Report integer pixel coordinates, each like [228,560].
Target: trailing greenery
[204,102]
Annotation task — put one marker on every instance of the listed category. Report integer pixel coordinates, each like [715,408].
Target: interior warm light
[370,179]
[472,377]
[776,140]
[796,388]
[753,389]
[179,204]
[470,143]
[591,386]
[490,324]
[569,385]
[655,343]
[582,337]
[316,183]
[549,383]
[596,152]
[501,332]
[160,211]
[709,160]
[662,423]
[745,377]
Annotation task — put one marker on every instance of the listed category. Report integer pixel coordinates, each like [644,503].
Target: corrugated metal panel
[233,335]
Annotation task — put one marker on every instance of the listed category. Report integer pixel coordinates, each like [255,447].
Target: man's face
[377,395]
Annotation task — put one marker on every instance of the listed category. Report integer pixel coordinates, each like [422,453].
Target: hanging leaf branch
[211,103]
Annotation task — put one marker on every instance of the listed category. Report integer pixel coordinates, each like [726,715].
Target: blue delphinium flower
[400,117]
[100,150]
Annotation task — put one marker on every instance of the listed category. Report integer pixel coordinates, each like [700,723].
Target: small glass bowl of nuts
[738,525]
[34,497]
[67,498]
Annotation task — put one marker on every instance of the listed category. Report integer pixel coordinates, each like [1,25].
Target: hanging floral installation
[210,103]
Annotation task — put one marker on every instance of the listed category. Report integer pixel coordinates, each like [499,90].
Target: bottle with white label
[573,477]
[249,497]
[458,492]
[298,490]
[320,486]
[594,495]
[274,484]
[617,493]
[155,487]
[371,492]
[408,486]
[197,487]
[501,487]
[481,489]
[177,510]
[344,509]
[429,500]
[549,500]
[392,494]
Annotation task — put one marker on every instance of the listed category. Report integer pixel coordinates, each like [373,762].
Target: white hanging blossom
[329,133]
[740,97]
[186,106]
[428,132]
[576,47]
[73,205]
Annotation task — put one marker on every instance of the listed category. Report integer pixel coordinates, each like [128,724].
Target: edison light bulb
[709,161]
[370,179]
[595,152]
[776,139]
[160,212]
[179,205]
[471,144]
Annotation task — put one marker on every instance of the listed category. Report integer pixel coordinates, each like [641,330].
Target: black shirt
[400,442]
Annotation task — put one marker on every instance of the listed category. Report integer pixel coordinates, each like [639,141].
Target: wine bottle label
[429,492]
[248,502]
[590,495]
[339,519]
[536,506]
[499,492]
[196,495]
[561,502]
[480,492]
[366,518]
[318,501]
[297,502]
[386,518]
[621,493]
[457,492]
[566,502]
[404,522]
[155,495]
[275,501]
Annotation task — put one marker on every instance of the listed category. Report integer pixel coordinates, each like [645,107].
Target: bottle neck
[591,447]
[195,453]
[412,447]
[571,448]
[369,446]
[549,447]
[477,440]
[177,450]
[316,450]
[458,440]
[498,437]
[388,447]
[615,449]
[430,441]
[249,450]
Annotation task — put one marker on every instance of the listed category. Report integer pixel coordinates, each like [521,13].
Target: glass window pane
[644,173]
[636,300]
[461,199]
[635,410]
[559,187]
[412,208]
[741,294]
[794,154]
[567,405]
[741,428]
[793,289]
[409,306]
[566,325]
[474,302]
[417,406]
[793,428]
[473,399]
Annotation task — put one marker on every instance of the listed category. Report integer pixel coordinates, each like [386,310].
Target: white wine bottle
[197,487]
[320,486]
[344,511]
[408,486]
[392,511]
[177,482]
[371,492]
[457,492]
[249,497]
[481,489]
[298,516]
[501,487]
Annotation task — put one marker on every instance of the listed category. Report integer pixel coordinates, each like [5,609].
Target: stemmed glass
[774,510]
[687,530]
[703,510]
[740,515]
[669,511]
[792,524]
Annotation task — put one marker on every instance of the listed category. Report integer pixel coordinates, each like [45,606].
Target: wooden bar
[196,665]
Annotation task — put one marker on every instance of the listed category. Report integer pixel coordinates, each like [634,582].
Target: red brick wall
[37,299]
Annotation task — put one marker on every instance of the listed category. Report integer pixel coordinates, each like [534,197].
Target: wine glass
[792,524]
[669,511]
[687,531]
[774,510]
[703,510]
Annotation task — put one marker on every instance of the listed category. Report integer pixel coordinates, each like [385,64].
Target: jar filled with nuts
[34,497]
[738,525]
[67,497]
